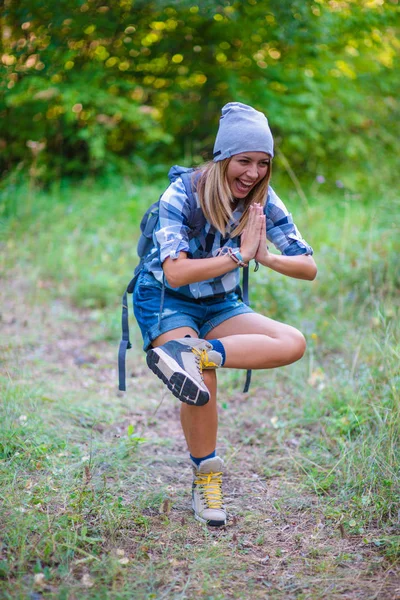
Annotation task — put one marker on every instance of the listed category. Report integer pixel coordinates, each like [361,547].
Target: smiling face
[245,170]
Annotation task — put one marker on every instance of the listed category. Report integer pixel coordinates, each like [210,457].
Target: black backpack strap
[246,301]
[247,382]
[125,343]
[245,285]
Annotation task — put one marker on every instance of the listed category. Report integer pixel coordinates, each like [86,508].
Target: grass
[95,486]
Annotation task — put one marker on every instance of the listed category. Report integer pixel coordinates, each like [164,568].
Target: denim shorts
[202,315]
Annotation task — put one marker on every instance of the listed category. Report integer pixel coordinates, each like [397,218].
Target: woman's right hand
[250,238]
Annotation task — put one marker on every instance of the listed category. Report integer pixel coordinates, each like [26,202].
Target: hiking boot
[180,363]
[207,501]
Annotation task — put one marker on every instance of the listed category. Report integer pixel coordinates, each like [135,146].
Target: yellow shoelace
[211,488]
[204,363]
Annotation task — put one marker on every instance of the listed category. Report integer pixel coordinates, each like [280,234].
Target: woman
[203,324]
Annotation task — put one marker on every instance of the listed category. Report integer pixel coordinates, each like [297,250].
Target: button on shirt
[172,236]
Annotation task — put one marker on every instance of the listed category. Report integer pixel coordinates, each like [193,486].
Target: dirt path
[278,544]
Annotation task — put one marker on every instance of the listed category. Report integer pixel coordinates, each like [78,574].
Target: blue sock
[219,347]
[199,460]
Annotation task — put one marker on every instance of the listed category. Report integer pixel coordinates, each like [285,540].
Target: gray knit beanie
[242,129]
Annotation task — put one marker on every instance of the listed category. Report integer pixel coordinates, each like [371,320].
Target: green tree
[90,87]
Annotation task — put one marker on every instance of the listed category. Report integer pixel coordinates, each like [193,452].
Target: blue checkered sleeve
[173,232]
[281,230]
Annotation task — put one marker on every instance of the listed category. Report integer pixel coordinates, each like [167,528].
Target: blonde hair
[216,198]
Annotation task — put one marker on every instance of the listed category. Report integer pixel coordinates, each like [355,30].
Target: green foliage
[86,241]
[104,89]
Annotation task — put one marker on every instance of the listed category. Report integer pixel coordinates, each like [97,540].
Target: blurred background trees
[90,87]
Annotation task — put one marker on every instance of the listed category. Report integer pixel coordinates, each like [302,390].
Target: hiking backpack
[196,221]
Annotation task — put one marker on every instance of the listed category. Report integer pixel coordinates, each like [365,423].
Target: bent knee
[293,346]
[290,347]
[297,344]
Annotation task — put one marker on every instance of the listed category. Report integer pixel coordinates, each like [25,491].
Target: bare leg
[199,423]
[252,341]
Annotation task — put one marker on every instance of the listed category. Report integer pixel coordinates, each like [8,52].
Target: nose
[252,171]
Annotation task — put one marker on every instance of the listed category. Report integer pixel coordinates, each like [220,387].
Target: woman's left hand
[262,254]
[300,267]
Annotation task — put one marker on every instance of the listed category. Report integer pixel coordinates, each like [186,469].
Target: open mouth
[243,187]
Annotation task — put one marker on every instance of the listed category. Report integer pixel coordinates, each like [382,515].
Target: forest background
[92,88]
[97,100]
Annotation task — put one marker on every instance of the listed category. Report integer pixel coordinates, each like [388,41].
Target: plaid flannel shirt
[171,237]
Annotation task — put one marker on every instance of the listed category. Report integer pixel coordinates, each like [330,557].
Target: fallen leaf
[87,474]
[165,507]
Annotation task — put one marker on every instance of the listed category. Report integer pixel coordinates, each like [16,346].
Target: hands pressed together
[254,236]
[184,271]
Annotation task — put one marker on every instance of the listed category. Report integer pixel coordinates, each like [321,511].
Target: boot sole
[177,381]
